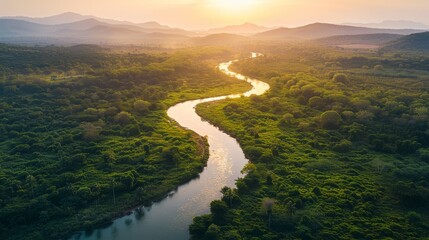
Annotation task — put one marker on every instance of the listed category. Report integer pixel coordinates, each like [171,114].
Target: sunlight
[233,5]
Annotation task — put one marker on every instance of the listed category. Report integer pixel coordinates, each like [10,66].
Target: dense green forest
[338,148]
[84,135]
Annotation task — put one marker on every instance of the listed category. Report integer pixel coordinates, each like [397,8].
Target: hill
[91,31]
[414,42]
[67,17]
[72,18]
[392,24]
[20,28]
[322,30]
[377,39]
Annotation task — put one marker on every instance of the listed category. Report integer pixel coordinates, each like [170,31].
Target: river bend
[170,218]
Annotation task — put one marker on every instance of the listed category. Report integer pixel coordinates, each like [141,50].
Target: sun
[233,5]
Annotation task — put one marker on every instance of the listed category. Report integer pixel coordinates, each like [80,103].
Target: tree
[31,181]
[340,78]
[109,157]
[268,205]
[96,192]
[228,194]
[141,106]
[113,190]
[316,102]
[146,148]
[139,194]
[90,131]
[343,146]
[348,115]
[172,155]
[218,208]
[290,208]
[123,117]
[128,180]
[287,118]
[213,232]
[110,112]
[309,91]
[330,120]
[364,116]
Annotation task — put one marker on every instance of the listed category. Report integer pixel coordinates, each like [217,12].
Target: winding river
[171,217]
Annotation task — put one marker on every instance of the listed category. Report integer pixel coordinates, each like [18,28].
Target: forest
[338,148]
[84,135]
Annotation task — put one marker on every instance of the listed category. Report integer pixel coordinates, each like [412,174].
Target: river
[170,218]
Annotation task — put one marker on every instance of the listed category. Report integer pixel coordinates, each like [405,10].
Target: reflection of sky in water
[170,218]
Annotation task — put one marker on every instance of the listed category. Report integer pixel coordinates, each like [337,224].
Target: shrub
[123,117]
[200,225]
[309,91]
[141,106]
[287,118]
[414,217]
[343,146]
[218,209]
[379,67]
[254,153]
[330,120]
[212,232]
[316,102]
[348,114]
[340,78]
[90,131]
[407,146]
[21,148]
[424,155]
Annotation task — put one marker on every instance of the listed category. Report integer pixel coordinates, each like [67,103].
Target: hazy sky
[209,13]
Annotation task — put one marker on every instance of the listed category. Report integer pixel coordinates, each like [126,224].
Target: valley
[132,121]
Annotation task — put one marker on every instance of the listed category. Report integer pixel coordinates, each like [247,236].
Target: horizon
[92,16]
[207,14]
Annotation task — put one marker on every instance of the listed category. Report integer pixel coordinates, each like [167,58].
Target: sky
[203,14]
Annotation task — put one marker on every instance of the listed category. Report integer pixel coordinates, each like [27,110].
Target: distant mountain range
[67,17]
[71,28]
[70,17]
[392,24]
[322,30]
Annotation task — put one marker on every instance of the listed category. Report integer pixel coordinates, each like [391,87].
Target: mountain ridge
[322,30]
[88,31]
[71,17]
[377,39]
[392,24]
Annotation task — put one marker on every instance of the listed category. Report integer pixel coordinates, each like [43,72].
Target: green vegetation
[84,136]
[418,42]
[339,148]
